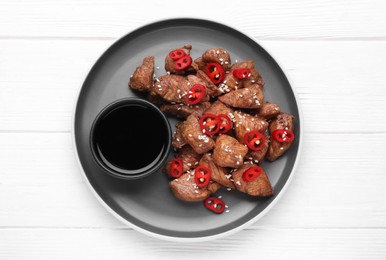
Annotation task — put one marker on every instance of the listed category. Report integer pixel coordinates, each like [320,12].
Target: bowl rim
[130,174]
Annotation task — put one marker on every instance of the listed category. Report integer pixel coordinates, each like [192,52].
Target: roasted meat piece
[175,88]
[218,107]
[277,149]
[182,110]
[184,188]
[192,134]
[169,62]
[230,82]
[258,156]
[200,63]
[244,123]
[142,79]
[250,97]
[259,187]
[178,141]
[269,110]
[218,55]
[211,88]
[228,152]
[218,174]
[190,159]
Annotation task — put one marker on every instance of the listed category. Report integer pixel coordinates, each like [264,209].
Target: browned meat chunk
[251,97]
[189,157]
[175,88]
[258,156]
[218,55]
[169,62]
[178,141]
[183,111]
[218,174]
[200,63]
[228,152]
[211,88]
[277,149]
[142,79]
[269,110]
[192,134]
[184,188]
[259,187]
[218,108]
[244,123]
[231,82]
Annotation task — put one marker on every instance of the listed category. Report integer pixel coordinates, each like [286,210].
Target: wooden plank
[268,19]
[336,184]
[247,244]
[340,85]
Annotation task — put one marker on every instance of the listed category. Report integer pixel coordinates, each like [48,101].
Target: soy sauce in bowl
[131,138]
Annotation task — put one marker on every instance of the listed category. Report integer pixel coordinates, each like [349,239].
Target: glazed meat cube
[228,152]
[142,79]
[258,156]
[190,159]
[183,111]
[244,123]
[169,62]
[200,63]
[178,141]
[184,188]
[192,134]
[218,55]
[211,88]
[218,108]
[175,88]
[231,82]
[269,110]
[250,97]
[259,187]
[277,149]
[218,174]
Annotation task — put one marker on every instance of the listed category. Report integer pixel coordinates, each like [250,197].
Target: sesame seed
[227,210]
[131,75]
[218,52]
[178,139]
[189,164]
[238,183]
[157,68]
[190,135]
[226,206]
[281,148]
[238,163]
[229,189]
[219,197]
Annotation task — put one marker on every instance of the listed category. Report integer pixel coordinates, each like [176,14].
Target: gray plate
[148,204]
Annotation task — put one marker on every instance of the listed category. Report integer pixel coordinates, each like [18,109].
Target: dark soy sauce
[130,137]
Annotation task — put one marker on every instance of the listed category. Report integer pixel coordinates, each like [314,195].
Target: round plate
[148,204]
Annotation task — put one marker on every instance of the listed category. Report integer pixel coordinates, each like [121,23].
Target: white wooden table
[333,51]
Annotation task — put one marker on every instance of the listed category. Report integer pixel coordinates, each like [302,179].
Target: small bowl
[130,138]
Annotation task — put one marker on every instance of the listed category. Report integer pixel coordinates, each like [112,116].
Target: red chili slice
[177,54]
[254,140]
[252,173]
[195,95]
[201,176]
[215,204]
[176,166]
[215,72]
[209,124]
[283,136]
[225,123]
[183,62]
[242,73]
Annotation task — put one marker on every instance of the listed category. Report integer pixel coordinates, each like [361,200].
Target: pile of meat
[227,128]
